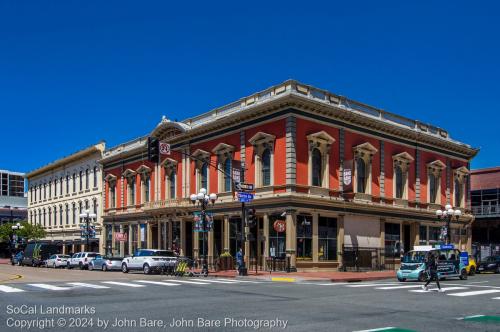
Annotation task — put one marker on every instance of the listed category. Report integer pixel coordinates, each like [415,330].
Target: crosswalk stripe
[216,281]
[188,282]
[238,281]
[49,287]
[83,284]
[495,298]
[379,329]
[369,285]
[161,283]
[325,284]
[8,289]
[398,287]
[481,292]
[435,289]
[126,284]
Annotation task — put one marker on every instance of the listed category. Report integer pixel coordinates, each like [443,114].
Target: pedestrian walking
[239,259]
[431,269]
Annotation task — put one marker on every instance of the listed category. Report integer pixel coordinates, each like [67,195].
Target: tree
[32,232]
[6,232]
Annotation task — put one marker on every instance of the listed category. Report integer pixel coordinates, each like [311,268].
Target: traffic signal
[153,150]
[251,217]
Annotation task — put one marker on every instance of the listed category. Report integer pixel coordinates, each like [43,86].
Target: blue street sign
[245,197]
[446,246]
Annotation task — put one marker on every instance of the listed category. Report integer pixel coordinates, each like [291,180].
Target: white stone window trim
[130,176]
[436,168]
[402,160]
[223,152]
[145,175]
[169,165]
[111,180]
[323,142]
[201,157]
[261,142]
[460,174]
[365,151]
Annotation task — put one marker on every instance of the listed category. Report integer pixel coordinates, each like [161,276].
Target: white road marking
[83,284]
[495,298]
[126,284]
[50,287]
[379,329]
[435,289]
[468,317]
[238,281]
[325,284]
[372,285]
[215,281]
[398,287]
[481,292]
[161,283]
[188,282]
[8,289]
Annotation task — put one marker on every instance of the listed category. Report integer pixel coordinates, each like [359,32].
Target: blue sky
[73,73]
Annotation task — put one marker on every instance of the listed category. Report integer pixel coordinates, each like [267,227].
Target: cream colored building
[60,191]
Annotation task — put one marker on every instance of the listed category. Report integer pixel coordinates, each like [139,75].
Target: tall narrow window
[458,193]
[147,183]
[132,192]
[227,175]
[304,237]
[67,184]
[172,184]
[50,189]
[112,196]
[433,188]
[60,215]
[266,168]
[316,168]
[399,181]
[204,176]
[50,216]
[81,180]
[460,175]
[327,239]
[67,214]
[55,188]
[44,220]
[87,180]
[74,182]
[94,204]
[74,213]
[360,175]
[61,186]
[95,176]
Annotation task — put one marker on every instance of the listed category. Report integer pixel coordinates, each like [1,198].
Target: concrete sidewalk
[332,276]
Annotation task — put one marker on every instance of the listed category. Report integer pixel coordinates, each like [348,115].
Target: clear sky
[73,73]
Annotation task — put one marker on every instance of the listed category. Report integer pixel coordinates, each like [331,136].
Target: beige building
[60,191]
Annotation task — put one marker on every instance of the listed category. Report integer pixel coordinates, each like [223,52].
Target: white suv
[149,260]
[81,260]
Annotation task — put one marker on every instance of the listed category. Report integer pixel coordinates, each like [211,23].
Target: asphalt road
[304,306]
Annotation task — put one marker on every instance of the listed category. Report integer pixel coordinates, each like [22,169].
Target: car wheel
[81,266]
[472,271]
[91,267]
[54,265]
[463,275]
[401,279]
[497,270]
[146,269]
[104,268]
[124,268]
[33,264]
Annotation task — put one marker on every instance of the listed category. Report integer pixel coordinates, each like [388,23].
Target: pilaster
[291,155]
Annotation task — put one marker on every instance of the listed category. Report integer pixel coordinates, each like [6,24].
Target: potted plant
[226,261]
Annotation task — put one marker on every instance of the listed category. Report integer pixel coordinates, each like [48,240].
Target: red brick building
[297,144]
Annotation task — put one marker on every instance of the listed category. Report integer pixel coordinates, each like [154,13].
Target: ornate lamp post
[87,217]
[203,199]
[15,228]
[447,215]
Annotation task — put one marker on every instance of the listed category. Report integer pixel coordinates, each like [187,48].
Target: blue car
[17,258]
[448,265]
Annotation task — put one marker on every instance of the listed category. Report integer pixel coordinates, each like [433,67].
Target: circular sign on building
[279,226]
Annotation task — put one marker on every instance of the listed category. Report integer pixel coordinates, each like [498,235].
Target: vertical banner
[347,176]
[236,174]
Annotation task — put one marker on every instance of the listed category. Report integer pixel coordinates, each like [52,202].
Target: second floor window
[67,184]
[50,189]
[316,168]
[266,168]
[360,175]
[61,186]
[227,175]
[433,188]
[74,182]
[203,176]
[81,180]
[398,172]
[171,179]
[458,193]
[112,196]
[87,180]
[95,177]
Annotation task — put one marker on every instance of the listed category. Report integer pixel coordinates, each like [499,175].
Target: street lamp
[15,228]
[447,215]
[87,216]
[203,199]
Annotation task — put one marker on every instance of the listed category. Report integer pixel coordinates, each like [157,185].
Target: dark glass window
[458,193]
[327,239]
[304,237]
[172,184]
[276,240]
[316,168]
[204,176]
[423,235]
[227,175]
[392,240]
[360,175]
[266,168]
[433,188]
[398,172]
[87,180]
[95,176]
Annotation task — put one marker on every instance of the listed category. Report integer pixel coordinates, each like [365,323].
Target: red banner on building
[347,176]
[122,237]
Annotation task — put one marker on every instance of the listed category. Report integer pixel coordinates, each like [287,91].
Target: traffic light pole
[243,268]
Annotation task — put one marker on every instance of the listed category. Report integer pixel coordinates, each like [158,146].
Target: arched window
[147,183]
[67,214]
[266,167]
[60,215]
[95,176]
[44,215]
[87,180]
[316,168]
[204,176]
[67,184]
[50,216]
[433,188]
[94,204]
[74,182]
[55,188]
[398,172]
[61,186]
[227,174]
[81,180]
[360,175]
[171,180]
[74,213]
[50,189]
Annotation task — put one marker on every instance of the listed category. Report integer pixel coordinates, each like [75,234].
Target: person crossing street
[431,269]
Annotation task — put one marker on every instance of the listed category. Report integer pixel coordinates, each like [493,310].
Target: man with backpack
[431,269]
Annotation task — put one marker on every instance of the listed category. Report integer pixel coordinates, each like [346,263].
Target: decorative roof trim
[321,136]
[261,137]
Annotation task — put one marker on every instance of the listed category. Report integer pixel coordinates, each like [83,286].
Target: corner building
[296,143]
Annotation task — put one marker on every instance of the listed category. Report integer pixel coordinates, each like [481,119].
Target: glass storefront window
[164,235]
[304,237]
[116,247]
[234,235]
[392,240]
[277,241]
[134,238]
[143,236]
[176,236]
[327,239]
[109,239]
[125,244]
[434,233]
[423,235]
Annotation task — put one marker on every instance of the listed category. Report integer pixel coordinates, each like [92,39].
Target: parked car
[489,264]
[81,260]
[17,258]
[149,260]
[106,263]
[36,253]
[472,267]
[57,260]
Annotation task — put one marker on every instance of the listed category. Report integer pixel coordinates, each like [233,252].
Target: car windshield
[414,257]
[91,255]
[115,258]
[163,253]
[63,256]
